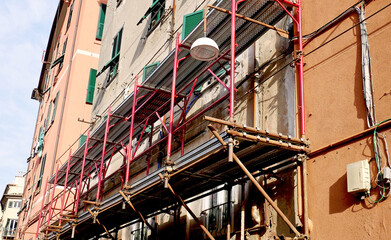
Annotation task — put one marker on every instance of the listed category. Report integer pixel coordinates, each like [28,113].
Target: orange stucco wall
[82,53]
[335,110]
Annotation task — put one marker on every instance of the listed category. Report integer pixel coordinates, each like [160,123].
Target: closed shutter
[101,22]
[91,86]
[55,105]
[48,116]
[190,21]
[83,139]
[148,70]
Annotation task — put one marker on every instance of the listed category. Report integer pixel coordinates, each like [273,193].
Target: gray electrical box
[359,178]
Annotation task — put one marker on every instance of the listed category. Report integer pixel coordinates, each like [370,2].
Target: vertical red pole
[102,160]
[51,199]
[149,153]
[65,185]
[301,70]
[78,194]
[42,204]
[172,104]
[232,73]
[129,154]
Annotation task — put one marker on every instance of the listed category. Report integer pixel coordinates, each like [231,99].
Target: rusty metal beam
[256,130]
[127,200]
[96,219]
[258,186]
[188,209]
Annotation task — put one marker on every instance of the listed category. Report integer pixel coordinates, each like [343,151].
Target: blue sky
[24,31]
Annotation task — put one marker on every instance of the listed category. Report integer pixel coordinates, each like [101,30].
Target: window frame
[159,14]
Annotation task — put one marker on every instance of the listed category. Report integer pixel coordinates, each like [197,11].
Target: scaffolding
[235,25]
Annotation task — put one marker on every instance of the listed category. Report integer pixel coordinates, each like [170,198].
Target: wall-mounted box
[358,176]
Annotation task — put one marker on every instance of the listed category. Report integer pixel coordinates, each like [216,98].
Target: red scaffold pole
[129,154]
[172,103]
[42,204]
[102,160]
[232,74]
[82,173]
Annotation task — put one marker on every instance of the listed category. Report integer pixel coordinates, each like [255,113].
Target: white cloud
[24,31]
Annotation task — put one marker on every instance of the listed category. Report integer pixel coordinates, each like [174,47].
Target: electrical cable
[317,48]
[379,176]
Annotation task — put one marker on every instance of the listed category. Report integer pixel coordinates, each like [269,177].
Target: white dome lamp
[204,49]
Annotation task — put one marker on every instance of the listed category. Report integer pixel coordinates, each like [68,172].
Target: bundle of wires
[380,181]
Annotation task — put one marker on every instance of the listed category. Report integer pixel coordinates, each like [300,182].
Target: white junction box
[359,177]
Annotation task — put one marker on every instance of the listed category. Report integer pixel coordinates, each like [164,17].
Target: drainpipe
[65,92]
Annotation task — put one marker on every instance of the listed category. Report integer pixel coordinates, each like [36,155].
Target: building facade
[64,91]
[273,127]
[11,203]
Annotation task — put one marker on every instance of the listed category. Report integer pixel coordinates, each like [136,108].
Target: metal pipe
[351,138]
[188,210]
[299,192]
[232,71]
[258,186]
[129,155]
[255,130]
[266,141]
[51,200]
[281,32]
[78,194]
[242,213]
[42,204]
[66,181]
[305,196]
[172,103]
[301,71]
[127,200]
[102,160]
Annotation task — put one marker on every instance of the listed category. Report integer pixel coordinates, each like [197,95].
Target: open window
[39,182]
[156,10]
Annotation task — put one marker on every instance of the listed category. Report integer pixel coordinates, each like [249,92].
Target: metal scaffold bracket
[127,200]
[188,209]
[255,182]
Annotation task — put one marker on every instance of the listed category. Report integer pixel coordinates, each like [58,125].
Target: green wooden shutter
[148,70]
[91,86]
[83,139]
[48,116]
[55,105]
[190,21]
[101,22]
[39,182]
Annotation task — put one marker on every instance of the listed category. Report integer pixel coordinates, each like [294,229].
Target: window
[91,86]
[139,234]
[64,47]
[14,204]
[70,15]
[190,21]
[48,117]
[55,101]
[101,22]
[157,11]
[216,218]
[148,70]
[10,227]
[39,182]
[115,54]
[113,63]
[40,141]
